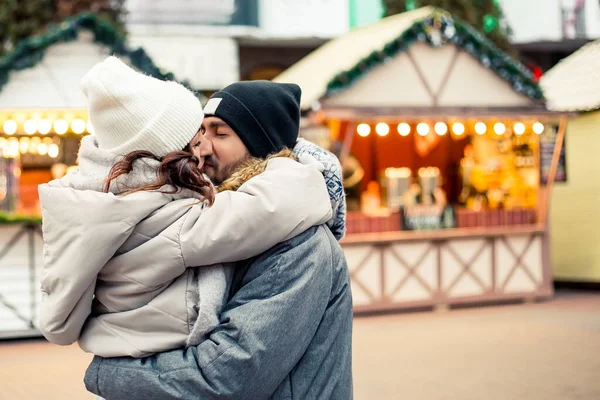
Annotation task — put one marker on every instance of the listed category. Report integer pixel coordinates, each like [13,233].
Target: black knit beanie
[264,114]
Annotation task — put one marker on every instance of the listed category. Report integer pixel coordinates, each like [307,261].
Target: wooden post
[558,145]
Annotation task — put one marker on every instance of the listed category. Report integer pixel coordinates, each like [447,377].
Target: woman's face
[194,145]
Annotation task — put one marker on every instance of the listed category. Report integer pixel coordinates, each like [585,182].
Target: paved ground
[546,351]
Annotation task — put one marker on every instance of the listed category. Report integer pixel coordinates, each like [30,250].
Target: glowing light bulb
[9,127]
[499,128]
[538,128]
[30,126]
[480,128]
[61,126]
[53,150]
[42,149]
[422,129]
[78,126]
[363,130]
[458,128]
[44,126]
[382,129]
[403,129]
[440,128]
[519,128]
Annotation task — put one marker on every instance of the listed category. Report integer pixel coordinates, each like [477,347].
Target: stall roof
[44,71]
[574,83]
[342,62]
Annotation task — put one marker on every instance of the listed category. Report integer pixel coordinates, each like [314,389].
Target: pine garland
[29,52]
[9,218]
[438,30]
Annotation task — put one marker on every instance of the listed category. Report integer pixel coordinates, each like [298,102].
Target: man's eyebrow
[217,124]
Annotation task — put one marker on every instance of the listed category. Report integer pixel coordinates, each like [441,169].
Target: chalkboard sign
[547,143]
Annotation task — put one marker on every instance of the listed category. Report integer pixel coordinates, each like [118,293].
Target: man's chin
[212,175]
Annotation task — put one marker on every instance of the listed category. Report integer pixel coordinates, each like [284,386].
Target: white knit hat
[131,111]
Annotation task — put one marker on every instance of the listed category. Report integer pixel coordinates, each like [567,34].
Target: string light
[499,128]
[382,129]
[61,126]
[538,128]
[53,150]
[44,126]
[519,128]
[422,129]
[78,126]
[363,130]
[30,126]
[441,128]
[403,129]
[42,149]
[480,128]
[9,127]
[458,128]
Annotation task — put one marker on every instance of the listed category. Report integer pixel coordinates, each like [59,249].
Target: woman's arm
[285,200]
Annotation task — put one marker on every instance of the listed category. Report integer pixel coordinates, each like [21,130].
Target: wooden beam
[558,145]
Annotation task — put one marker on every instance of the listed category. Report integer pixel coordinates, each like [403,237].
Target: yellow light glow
[78,126]
[382,129]
[440,128]
[9,127]
[538,128]
[403,129]
[61,126]
[458,128]
[44,126]
[422,129]
[89,128]
[480,128]
[24,145]
[42,149]
[30,126]
[363,130]
[499,128]
[519,128]
[53,150]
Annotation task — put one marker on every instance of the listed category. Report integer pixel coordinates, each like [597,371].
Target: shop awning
[574,83]
[403,61]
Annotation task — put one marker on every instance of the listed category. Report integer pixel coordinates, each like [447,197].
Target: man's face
[221,148]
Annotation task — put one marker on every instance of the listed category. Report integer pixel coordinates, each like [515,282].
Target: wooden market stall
[574,86]
[42,119]
[439,133]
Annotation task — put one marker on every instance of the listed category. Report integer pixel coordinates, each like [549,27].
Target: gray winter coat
[117,273]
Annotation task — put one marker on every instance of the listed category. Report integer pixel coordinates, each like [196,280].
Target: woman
[117,274]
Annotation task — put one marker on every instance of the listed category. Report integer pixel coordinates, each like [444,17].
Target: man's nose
[205,149]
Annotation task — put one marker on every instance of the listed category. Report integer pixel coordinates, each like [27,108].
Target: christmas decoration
[20,19]
[437,30]
[27,53]
[484,15]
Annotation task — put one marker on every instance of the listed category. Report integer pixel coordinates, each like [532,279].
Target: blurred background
[467,131]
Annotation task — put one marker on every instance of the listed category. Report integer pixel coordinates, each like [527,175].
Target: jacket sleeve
[332,172]
[285,200]
[264,331]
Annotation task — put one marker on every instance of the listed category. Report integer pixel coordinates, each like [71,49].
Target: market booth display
[574,85]
[448,153]
[42,119]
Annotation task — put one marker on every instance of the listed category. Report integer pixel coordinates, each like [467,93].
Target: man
[286,331]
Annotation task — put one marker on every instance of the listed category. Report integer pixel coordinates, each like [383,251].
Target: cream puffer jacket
[117,271]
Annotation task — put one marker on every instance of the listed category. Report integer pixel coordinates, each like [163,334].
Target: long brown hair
[179,169]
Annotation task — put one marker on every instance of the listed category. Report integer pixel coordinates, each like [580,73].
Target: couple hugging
[195,251]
